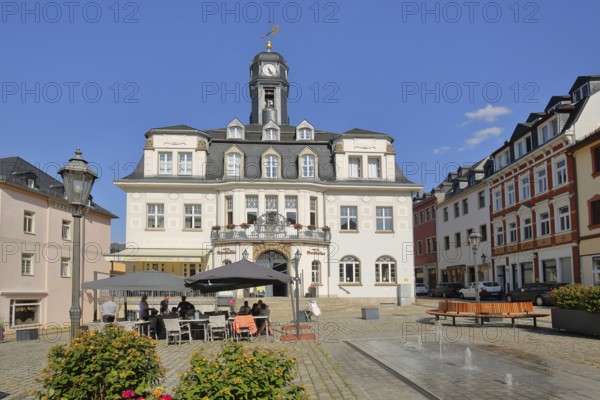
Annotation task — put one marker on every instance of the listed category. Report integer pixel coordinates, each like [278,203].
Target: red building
[424,233]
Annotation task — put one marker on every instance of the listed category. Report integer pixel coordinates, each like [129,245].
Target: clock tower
[269,88]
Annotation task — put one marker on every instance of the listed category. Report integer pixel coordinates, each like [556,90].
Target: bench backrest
[505,308]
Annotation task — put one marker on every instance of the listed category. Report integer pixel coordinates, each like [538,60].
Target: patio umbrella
[238,275]
[146,280]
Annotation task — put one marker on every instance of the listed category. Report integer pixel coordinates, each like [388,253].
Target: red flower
[166,397]
[128,394]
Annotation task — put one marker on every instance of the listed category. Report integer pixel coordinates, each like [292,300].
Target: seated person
[184,307]
[262,323]
[245,309]
[173,313]
[255,309]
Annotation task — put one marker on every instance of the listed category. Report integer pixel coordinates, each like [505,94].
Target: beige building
[586,157]
[36,228]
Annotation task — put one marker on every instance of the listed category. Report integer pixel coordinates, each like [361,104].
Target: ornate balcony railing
[269,233]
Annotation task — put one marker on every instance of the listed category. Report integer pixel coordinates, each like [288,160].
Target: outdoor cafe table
[142,326]
[195,324]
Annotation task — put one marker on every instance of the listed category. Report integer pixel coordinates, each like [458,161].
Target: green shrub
[240,373]
[101,365]
[578,297]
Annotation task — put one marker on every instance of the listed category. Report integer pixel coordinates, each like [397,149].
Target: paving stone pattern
[331,368]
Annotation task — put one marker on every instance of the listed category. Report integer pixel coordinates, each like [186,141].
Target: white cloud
[487,114]
[483,135]
[441,150]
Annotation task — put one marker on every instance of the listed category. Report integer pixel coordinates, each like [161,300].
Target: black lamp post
[296,261]
[78,180]
[475,240]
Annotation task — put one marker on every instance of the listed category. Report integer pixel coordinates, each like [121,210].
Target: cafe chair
[96,325]
[174,330]
[244,325]
[217,324]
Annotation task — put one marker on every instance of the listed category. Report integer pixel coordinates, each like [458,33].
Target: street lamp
[296,261]
[474,241]
[78,180]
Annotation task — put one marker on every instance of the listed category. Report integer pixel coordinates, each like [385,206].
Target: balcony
[269,233]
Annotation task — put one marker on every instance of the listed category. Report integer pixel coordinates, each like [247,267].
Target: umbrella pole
[125,301]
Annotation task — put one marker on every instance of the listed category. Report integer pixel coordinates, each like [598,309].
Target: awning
[158,255]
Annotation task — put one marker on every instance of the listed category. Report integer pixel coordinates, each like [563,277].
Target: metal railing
[260,233]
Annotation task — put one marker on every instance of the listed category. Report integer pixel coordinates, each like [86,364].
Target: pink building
[36,228]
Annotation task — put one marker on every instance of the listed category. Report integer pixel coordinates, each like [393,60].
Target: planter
[370,313]
[578,321]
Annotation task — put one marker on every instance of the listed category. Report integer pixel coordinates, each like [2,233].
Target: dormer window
[271,134]
[235,132]
[582,92]
[305,134]
[308,166]
[233,164]
[165,163]
[374,167]
[235,129]
[31,183]
[271,165]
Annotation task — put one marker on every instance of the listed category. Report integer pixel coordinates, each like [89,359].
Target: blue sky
[448,80]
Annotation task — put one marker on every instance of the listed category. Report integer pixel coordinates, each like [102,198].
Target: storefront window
[596,270]
[24,312]
[549,267]
[527,270]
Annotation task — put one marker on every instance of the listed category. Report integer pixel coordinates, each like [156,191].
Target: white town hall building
[199,198]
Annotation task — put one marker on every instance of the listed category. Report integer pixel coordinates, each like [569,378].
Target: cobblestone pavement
[333,367]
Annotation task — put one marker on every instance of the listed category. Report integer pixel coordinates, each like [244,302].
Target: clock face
[269,70]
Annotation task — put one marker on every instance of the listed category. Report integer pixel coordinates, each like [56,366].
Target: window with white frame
[355,167]
[65,268]
[510,194]
[383,219]
[349,270]
[560,172]
[308,166]
[234,164]
[165,163]
[185,164]
[564,219]
[374,167]
[581,92]
[24,312]
[542,181]
[315,272]
[549,271]
[271,165]
[271,134]
[28,222]
[544,134]
[554,127]
[544,229]
[193,216]
[497,200]
[31,183]
[66,230]
[235,132]
[291,209]
[525,189]
[527,229]
[385,270]
[305,134]
[229,210]
[348,216]
[500,235]
[313,211]
[512,232]
[272,204]
[27,264]
[156,216]
[251,209]
[520,148]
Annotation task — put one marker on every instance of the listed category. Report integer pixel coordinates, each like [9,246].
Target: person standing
[144,310]
[110,310]
[164,305]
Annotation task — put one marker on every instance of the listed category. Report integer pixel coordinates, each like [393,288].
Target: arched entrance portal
[278,262]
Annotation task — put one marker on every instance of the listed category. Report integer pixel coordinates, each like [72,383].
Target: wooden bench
[482,311]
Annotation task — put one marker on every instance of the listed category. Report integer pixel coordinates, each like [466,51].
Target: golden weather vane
[274,30]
